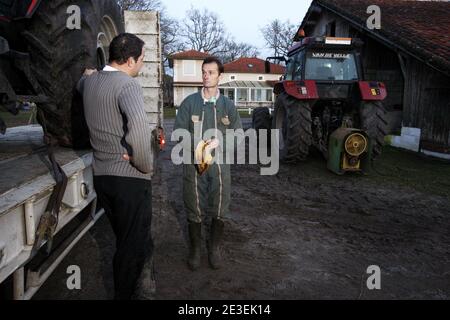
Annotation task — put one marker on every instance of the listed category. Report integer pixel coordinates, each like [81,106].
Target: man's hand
[88,72]
[126,157]
[213,143]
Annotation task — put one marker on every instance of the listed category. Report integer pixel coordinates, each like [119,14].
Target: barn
[409,51]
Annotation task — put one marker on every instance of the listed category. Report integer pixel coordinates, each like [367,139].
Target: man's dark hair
[124,46]
[214,60]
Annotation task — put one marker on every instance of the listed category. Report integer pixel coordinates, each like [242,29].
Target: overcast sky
[244,18]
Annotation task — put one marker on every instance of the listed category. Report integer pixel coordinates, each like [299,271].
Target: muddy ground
[304,233]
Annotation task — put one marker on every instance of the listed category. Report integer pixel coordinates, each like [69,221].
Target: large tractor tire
[293,118]
[374,122]
[59,56]
[261,119]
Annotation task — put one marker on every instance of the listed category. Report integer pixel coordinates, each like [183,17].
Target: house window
[232,78]
[269,95]
[256,95]
[242,94]
[229,92]
[260,78]
[189,67]
[261,95]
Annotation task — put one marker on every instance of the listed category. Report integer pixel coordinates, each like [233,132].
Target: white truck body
[26,182]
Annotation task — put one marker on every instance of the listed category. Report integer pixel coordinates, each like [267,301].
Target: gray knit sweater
[118,125]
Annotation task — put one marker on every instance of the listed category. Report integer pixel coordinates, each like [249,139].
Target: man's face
[210,74]
[136,66]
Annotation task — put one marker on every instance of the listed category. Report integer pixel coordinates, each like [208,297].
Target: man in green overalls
[207,191]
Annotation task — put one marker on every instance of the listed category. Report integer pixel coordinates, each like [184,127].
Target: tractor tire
[59,56]
[293,118]
[374,122]
[261,119]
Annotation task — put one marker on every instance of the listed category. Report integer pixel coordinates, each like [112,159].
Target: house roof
[419,28]
[190,55]
[251,65]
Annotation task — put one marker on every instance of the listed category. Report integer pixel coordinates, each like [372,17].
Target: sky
[243,19]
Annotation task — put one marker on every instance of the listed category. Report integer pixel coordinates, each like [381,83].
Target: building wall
[180,67]
[427,105]
[323,26]
[182,92]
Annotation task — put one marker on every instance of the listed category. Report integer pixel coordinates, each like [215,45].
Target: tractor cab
[324,59]
[332,63]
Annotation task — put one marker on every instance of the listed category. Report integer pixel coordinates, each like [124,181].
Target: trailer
[35,235]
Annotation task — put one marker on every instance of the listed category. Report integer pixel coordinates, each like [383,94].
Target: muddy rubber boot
[195,237]
[214,255]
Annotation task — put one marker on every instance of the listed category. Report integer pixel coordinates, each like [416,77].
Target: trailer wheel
[374,122]
[59,56]
[293,118]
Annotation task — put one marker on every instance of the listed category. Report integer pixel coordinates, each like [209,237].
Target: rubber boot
[214,255]
[194,250]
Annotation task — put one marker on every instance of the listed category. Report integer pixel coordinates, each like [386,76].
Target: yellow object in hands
[203,155]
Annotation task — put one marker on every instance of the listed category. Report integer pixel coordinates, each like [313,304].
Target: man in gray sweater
[120,136]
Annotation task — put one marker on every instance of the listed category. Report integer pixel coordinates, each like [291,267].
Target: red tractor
[322,92]
[43,54]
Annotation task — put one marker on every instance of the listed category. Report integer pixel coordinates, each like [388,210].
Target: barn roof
[419,28]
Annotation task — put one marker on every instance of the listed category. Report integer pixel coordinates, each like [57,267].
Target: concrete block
[150,76]
[141,22]
[411,131]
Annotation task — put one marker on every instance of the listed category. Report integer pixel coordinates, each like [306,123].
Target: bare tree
[144,5]
[170,39]
[234,50]
[279,36]
[203,31]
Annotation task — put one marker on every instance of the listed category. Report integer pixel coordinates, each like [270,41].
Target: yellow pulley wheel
[355,144]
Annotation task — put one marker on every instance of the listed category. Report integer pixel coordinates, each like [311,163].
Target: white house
[187,73]
[246,83]
[244,80]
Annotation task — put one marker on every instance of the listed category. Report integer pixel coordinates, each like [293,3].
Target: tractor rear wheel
[261,119]
[374,122]
[59,55]
[293,118]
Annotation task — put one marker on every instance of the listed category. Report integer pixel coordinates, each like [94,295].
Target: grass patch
[170,113]
[415,170]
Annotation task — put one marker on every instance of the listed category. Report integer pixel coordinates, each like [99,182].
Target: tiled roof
[252,65]
[190,55]
[420,28]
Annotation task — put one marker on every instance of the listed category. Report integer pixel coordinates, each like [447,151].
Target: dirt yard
[304,233]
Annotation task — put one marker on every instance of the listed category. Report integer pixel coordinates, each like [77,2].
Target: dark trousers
[128,205]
